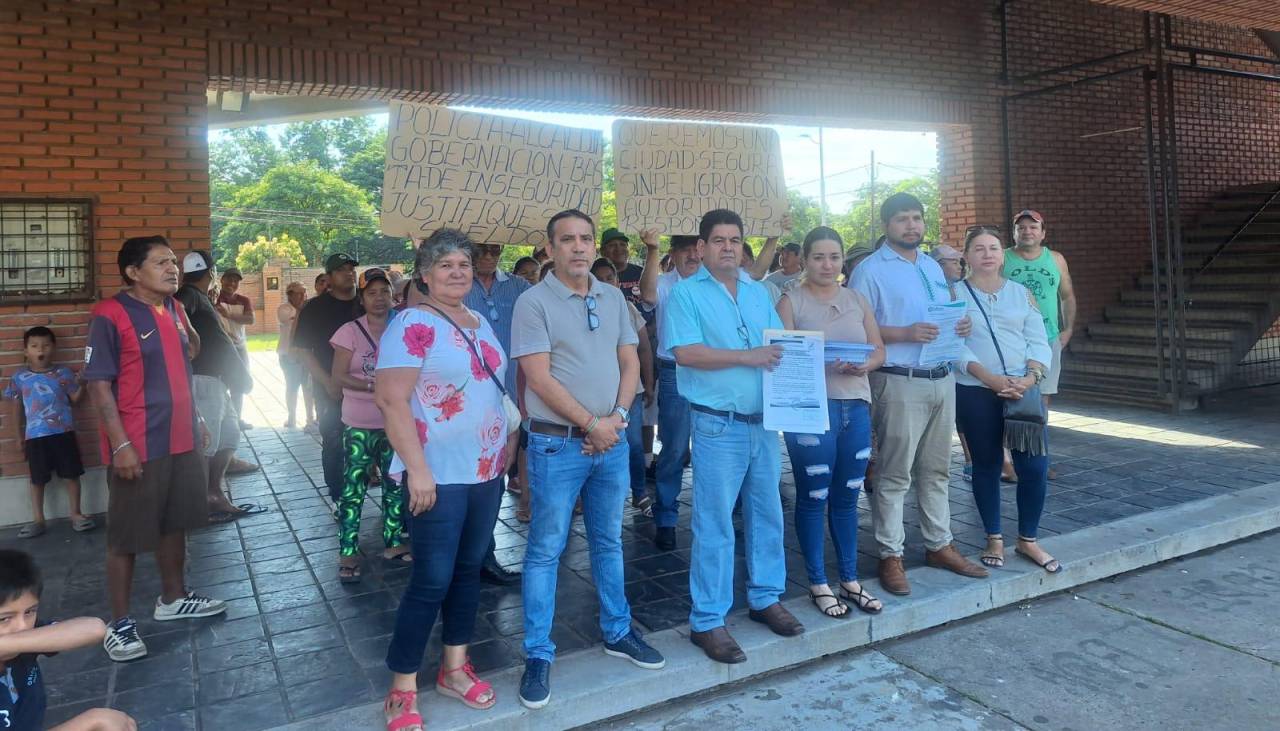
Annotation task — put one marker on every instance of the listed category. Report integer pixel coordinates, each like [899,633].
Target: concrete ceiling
[230,109]
[1263,14]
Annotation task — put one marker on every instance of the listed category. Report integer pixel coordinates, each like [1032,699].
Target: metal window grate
[46,250]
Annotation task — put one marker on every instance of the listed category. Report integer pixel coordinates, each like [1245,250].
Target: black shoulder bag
[1024,419]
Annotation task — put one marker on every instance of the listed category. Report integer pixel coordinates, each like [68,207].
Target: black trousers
[329,416]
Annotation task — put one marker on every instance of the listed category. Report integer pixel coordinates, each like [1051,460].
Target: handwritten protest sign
[497,178]
[668,174]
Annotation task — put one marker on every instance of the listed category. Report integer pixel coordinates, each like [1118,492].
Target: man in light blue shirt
[716,319]
[913,402]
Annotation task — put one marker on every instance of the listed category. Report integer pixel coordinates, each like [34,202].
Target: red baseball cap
[1028,213]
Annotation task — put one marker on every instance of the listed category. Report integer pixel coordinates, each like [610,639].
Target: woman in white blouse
[997,367]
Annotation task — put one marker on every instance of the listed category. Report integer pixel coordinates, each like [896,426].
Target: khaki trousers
[912,419]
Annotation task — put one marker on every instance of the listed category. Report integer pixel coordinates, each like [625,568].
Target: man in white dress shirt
[912,402]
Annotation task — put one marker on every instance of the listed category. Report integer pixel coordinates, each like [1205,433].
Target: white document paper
[947,346]
[856,353]
[795,393]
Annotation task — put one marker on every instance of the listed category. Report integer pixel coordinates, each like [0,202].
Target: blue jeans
[635,446]
[449,542]
[558,473]
[732,459]
[982,413]
[829,468]
[673,432]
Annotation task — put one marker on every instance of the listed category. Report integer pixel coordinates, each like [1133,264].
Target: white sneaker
[122,642]
[191,606]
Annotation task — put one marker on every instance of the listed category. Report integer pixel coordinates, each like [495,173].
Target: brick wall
[106,99]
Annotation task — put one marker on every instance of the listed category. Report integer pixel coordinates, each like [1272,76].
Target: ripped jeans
[829,468]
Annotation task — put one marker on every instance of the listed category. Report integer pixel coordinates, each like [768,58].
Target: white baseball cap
[196,261]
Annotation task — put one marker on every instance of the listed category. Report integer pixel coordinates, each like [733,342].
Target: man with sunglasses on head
[913,401]
[576,346]
[716,319]
[493,294]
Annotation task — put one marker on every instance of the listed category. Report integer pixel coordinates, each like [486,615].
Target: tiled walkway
[296,643]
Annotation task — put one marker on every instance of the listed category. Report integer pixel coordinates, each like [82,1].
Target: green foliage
[254,255]
[318,208]
[860,222]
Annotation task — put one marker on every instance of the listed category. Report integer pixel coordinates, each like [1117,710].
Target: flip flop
[222,517]
[251,509]
[31,530]
[400,559]
[84,524]
[349,574]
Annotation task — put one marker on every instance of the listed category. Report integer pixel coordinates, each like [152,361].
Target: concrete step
[1225,297]
[1232,278]
[1146,332]
[1205,351]
[1131,390]
[1080,362]
[589,687]
[1202,315]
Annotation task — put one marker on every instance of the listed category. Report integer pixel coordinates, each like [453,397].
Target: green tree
[242,156]
[254,255]
[322,211]
[327,142]
[365,168]
[861,223]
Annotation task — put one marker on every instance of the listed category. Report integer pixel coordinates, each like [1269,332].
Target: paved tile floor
[296,643]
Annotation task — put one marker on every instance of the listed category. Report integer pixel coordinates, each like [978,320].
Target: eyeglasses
[593,320]
[493,310]
[743,332]
[983,228]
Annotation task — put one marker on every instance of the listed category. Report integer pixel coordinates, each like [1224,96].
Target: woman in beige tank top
[830,467]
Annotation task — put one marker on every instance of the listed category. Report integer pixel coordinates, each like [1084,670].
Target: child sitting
[47,392]
[23,639]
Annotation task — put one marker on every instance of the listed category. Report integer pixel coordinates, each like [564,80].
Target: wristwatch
[625,414]
[1038,375]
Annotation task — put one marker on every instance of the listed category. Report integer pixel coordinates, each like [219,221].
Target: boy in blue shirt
[45,393]
[23,640]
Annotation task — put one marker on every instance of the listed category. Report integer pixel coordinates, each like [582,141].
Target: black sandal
[349,574]
[995,561]
[861,599]
[1050,566]
[838,605]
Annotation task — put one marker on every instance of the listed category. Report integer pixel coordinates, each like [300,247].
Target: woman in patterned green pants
[355,356]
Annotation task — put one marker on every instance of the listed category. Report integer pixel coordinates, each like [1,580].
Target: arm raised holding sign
[652,267]
[761,265]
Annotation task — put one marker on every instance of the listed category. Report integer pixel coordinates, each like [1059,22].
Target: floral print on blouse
[457,409]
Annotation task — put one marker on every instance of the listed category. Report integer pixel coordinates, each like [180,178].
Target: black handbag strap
[991,328]
[496,381]
[367,336]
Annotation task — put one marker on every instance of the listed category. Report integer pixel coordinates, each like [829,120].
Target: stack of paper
[848,352]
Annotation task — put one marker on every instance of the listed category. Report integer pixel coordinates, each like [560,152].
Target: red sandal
[407,718]
[477,689]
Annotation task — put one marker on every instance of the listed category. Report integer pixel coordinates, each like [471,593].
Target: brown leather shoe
[779,620]
[719,645]
[950,559]
[893,577]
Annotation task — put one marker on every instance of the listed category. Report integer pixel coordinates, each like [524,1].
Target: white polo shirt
[900,293]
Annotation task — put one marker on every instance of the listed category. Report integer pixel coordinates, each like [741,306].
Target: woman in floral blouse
[439,370]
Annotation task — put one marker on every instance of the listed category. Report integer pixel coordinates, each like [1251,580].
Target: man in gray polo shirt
[577,349]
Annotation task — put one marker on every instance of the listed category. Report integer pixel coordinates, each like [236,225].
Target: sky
[846,153]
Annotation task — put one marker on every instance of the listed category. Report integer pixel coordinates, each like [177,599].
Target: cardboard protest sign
[668,174]
[496,178]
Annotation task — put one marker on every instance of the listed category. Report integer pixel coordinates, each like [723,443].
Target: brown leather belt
[552,429]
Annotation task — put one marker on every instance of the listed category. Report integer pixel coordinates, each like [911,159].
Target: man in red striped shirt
[138,370]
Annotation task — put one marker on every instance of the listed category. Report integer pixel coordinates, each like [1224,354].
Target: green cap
[611,234]
[338,260]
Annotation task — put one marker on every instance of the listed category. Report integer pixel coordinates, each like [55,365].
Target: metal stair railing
[1236,234]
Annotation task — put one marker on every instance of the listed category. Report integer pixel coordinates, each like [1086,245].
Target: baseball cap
[338,260]
[371,275]
[793,247]
[233,272]
[1028,213]
[942,252]
[196,261]
[612,233]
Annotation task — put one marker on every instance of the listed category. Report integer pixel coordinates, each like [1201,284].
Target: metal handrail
[1235,235]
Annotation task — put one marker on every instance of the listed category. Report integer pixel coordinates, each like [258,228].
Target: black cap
[338,260]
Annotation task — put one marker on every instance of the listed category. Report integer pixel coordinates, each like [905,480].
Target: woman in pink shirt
[364,440]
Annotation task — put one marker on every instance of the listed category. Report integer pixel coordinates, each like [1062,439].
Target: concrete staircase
[1229,306]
